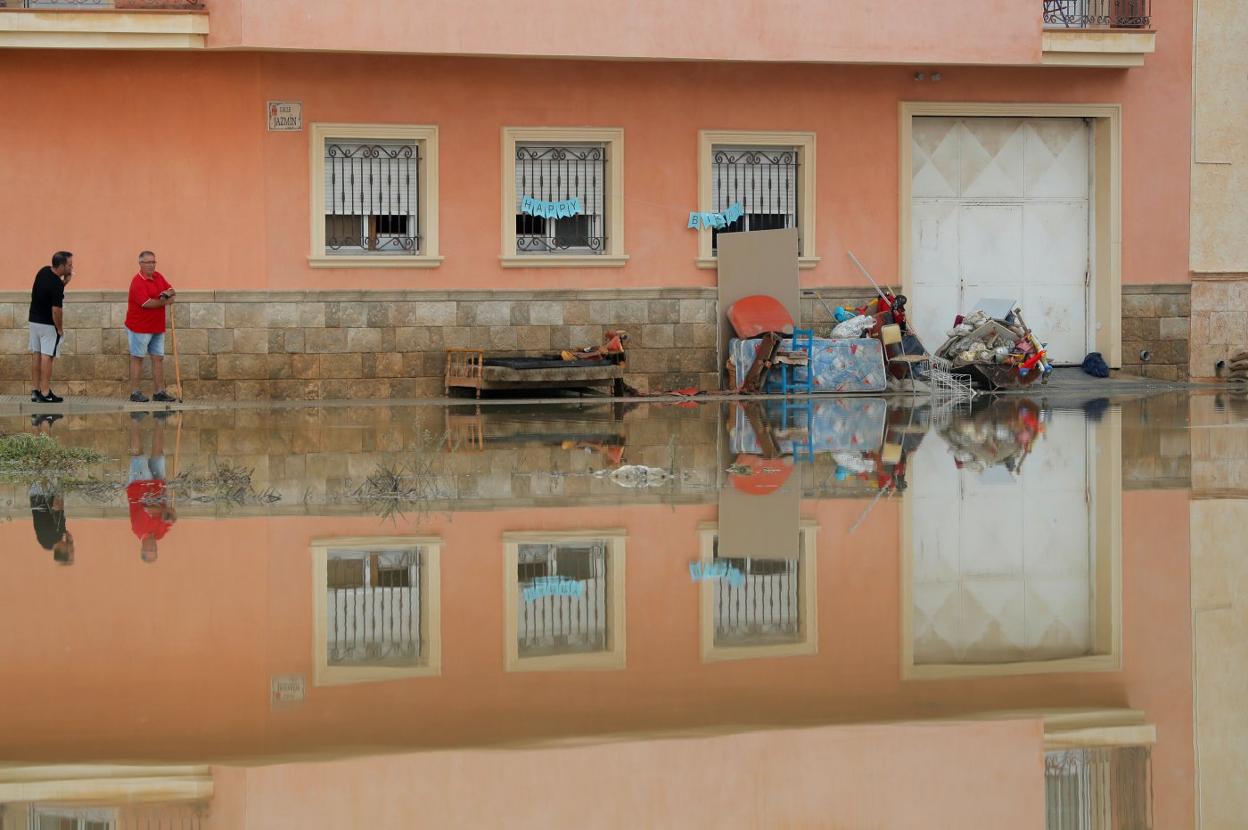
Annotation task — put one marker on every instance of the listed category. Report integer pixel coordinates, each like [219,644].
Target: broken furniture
[761,317]
[474,369]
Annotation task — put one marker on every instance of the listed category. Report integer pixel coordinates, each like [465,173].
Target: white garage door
[1000,209]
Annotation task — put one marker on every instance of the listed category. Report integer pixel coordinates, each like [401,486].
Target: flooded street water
[853,612]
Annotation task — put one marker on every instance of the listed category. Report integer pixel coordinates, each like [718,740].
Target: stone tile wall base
[1219,321]
[391,344]
[1157,319]
[344,344]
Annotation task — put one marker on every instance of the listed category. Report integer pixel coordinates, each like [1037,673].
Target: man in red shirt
[151,513]
[150,292]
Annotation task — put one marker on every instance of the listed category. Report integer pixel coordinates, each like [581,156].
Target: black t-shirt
[49,522]
[47,293]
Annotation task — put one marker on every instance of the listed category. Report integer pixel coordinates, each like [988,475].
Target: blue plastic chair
[803,340]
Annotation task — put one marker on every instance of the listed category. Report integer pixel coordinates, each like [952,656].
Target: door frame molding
[1105,295]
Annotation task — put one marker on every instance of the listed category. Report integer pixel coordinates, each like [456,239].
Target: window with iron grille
[770,175]
[372,197]
[557,173]
[764,180]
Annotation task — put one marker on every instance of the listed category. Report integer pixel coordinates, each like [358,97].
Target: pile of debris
[994,345]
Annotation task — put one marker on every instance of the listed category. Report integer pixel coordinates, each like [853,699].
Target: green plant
[23,454]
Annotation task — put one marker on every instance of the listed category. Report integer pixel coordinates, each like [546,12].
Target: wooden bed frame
[466,369]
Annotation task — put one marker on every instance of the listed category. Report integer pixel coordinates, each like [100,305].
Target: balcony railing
[1097,14]
[79,5]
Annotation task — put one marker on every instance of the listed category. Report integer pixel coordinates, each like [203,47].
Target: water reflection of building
[210,668]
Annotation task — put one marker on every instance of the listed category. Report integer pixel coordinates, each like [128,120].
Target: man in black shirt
[47,327]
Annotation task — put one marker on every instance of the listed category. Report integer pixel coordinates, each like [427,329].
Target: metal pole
[866,274]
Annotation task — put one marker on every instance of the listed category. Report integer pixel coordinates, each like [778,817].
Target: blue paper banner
[551,210]
[711,571]
[554,586]
[716,220]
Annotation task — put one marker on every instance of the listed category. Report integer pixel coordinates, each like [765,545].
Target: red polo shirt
[142,320]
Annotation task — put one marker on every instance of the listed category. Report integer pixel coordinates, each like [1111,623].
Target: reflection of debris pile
[1002,434]
[636,476]
[993,346]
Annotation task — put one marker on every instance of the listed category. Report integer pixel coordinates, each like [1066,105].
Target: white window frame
[426,139]
[613,139]
[430,608]
[804,142]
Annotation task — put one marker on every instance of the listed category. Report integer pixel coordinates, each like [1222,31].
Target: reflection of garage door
[1000,209]
[995,580]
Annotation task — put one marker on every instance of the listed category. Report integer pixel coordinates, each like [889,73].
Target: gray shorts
[44,339]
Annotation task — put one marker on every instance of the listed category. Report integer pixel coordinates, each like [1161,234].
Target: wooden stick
[177,364]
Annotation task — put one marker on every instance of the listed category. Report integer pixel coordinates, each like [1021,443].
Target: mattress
[839,365]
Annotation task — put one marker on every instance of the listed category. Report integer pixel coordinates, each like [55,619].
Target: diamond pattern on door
[1000,209]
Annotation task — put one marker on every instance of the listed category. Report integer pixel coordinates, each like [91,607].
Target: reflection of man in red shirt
[151,514]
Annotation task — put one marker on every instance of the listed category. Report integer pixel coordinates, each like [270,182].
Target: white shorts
[44,339]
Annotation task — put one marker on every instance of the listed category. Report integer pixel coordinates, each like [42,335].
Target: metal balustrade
[1097,14]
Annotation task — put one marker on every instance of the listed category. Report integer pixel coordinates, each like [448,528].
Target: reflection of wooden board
[759,314]
[759,512]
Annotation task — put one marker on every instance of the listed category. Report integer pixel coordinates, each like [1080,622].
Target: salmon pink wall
[113,152]
[966,775]
[847,31]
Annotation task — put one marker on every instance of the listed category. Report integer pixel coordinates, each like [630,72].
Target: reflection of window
[373,608]
[71,818]
[377,615]
[1102,788]
[763,606]
[179,815]
[564,600]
